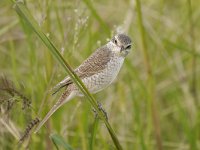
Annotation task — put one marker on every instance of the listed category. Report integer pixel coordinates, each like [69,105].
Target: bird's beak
[122,48]
[125,50]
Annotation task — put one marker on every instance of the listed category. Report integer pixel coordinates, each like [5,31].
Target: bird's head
[121,44]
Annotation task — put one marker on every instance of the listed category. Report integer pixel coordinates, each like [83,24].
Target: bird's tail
[66,96]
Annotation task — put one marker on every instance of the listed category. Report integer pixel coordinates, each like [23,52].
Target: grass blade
[96,15]
[150,81]
[58,140]
[24,14]
[94,131]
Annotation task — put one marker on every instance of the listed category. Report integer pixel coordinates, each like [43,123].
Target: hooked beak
[125,50]
[122,48]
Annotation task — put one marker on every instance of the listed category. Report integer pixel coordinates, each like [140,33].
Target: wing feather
[92,65]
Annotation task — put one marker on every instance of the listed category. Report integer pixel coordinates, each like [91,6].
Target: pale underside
[101,80]
[96,72]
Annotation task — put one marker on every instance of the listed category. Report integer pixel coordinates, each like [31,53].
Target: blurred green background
[153,104]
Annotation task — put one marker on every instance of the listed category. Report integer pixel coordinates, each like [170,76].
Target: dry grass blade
[9,94]
[28,129]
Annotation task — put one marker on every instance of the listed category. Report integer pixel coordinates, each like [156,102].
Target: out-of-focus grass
[25,15]
[78,32]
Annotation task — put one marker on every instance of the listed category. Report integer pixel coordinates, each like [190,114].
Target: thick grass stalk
[193,137]
[24,14]
[150,81]
[192,45]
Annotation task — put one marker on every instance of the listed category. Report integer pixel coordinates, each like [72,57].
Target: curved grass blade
[23,12]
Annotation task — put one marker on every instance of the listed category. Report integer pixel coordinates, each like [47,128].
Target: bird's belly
[101,80]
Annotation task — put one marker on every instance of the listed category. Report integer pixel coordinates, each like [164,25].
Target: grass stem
[150,80]
[23,12]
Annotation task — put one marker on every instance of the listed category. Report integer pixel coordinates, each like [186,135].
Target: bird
[97,72]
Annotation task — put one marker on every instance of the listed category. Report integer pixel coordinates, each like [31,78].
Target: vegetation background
[153,104]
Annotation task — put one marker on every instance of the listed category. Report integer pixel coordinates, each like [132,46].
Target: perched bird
[97,71]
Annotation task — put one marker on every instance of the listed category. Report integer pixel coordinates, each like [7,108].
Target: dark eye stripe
[128,47]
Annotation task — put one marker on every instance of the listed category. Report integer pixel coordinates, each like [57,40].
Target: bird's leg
[95,112]
[102,109]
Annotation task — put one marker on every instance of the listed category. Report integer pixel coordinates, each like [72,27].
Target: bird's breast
[113,68]
[102,79]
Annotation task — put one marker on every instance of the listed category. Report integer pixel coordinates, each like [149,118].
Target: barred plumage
[97,71]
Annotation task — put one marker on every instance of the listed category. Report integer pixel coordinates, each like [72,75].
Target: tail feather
[57,88]
[66,96]
[64,83]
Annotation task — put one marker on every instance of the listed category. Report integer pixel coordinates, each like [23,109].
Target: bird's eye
[128,47]
[115,41]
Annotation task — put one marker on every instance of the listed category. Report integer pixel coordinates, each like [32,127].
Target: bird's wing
[95,63]
[64,83]
[92,65]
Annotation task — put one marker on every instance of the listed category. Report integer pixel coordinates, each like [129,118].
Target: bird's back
[94,64]
[105,77]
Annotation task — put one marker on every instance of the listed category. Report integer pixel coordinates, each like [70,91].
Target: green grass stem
[24,14]
[150,81]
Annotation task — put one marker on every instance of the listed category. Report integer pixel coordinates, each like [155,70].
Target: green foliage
[59,141]
[26,16]
[165,36]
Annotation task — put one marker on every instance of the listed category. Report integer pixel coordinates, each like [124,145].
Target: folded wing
[92,65]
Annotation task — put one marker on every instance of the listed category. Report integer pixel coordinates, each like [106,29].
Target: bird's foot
[95,112]
[101,109]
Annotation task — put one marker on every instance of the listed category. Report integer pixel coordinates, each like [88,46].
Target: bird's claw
[101,109]
[95,112]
